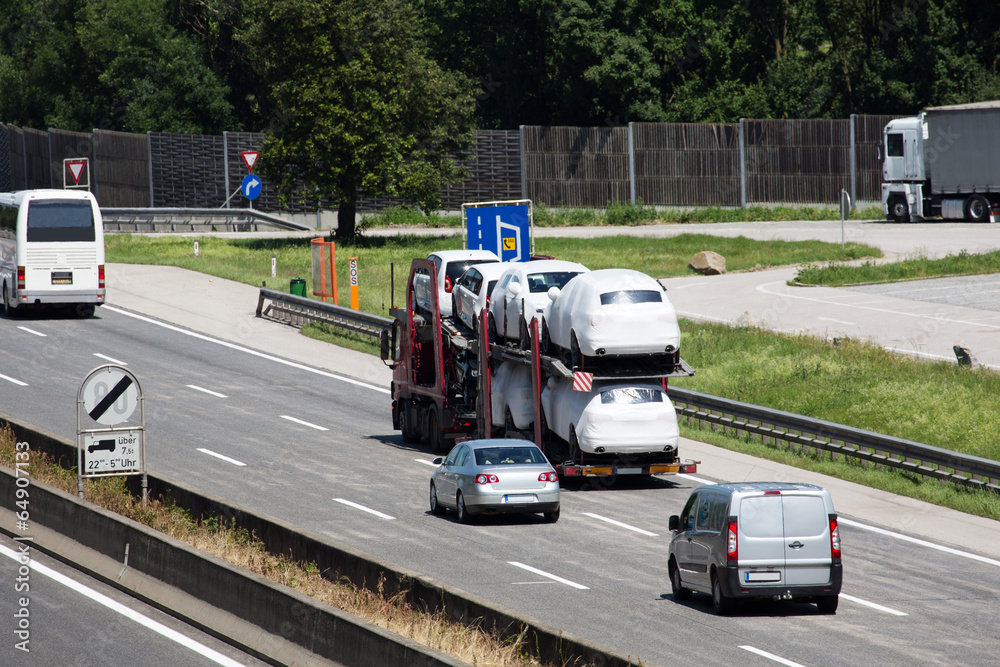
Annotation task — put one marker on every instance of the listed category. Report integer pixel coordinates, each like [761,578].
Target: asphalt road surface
[317,449]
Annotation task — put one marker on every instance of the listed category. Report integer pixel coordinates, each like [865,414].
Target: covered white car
[612,312]
[450,265]
[614,417]
[510,397]
[526,284]
[472,292]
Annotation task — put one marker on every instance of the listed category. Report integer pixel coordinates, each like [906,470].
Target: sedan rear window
[631,296]
[456,269]
[507,455]
[631,395]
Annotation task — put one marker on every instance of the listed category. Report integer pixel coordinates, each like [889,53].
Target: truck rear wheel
[410,434]
[898,210]
[977,209]
[438,444]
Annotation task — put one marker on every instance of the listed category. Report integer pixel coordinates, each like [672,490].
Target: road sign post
[109,396]
[502,227]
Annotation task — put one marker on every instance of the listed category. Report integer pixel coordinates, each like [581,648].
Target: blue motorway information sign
[504,229]
[251,186]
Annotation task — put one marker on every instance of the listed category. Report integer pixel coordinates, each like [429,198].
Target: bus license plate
[62,277]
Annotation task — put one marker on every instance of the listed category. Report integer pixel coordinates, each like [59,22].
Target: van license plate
[762,576]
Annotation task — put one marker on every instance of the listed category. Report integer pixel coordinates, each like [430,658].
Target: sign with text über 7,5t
[109,396]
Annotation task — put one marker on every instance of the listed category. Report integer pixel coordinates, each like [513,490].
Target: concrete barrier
[296,620]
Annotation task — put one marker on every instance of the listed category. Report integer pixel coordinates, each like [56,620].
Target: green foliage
[629,214]
[962,264]
[361,107]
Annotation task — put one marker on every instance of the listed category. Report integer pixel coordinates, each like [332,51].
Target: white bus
[51,250]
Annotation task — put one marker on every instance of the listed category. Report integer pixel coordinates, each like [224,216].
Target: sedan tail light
[548,477]
[487,479]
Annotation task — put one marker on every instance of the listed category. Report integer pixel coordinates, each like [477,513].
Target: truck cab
[903,169]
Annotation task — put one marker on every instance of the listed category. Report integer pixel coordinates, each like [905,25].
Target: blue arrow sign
[251,186]
[504,230]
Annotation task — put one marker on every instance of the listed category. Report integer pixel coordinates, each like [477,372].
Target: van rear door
[761,540]
[807,539]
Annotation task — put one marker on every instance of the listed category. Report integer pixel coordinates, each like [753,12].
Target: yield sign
[76,169]
[250,157]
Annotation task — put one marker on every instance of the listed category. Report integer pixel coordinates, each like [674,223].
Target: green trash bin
[298,287]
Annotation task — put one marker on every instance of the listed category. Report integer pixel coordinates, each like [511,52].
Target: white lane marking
[32,331]
[364,509]
[830,319]
[139,618]
[207,391]
[299,421]
[697,480]
[923,543]
[10,379]
[873,605]
[686,286]
[240,348]
[771,656]
[220,456]
[111,359]
[426,462]
[543,573]
[620,524]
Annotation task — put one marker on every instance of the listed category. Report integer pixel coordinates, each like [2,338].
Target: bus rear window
[60,220]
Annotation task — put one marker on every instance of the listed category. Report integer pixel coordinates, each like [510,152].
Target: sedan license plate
[762,576]
[520,498]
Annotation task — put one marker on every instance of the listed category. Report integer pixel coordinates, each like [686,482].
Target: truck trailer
[441,389]
[943,163]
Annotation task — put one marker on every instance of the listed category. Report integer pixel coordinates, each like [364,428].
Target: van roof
[749,487]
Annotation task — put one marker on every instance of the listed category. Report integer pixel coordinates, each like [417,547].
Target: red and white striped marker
[582,381]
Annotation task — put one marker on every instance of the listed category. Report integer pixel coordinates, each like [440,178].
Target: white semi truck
[943,163]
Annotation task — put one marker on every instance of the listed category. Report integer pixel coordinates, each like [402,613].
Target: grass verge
[241,548]
[384,262]
[618,213]
[911,268]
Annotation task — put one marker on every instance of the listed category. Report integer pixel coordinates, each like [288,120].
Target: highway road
[317,449]
[69,619]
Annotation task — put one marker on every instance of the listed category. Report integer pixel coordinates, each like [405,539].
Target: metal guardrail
[194,219]
[299,310]
[806,432]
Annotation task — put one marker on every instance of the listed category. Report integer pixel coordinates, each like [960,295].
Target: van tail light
[20,278]
[732,554]
[487,479]
[834,538]
[448,285]
[548,477]
[100,276]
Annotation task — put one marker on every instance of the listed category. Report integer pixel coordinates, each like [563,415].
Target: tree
[111,64]
[361,107]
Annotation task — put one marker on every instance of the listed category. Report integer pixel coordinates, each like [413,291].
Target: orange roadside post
[354,282]
[324,281]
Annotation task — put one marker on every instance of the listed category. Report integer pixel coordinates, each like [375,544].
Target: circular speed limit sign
[110,395]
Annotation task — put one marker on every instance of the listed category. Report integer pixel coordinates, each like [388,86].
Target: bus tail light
[20,278]
[100,276]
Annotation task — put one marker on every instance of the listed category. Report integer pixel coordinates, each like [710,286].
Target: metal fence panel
[797,161]
[576,166]
[64,144]
[6,175]
[121,169]
[187,170]
[867,135]
[687,164]
[36,159]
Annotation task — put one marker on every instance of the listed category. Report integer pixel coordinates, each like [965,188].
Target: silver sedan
[495,477]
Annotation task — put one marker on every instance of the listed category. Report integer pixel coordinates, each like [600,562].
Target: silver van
[757,540]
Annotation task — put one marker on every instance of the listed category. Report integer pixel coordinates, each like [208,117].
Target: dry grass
[237,546]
